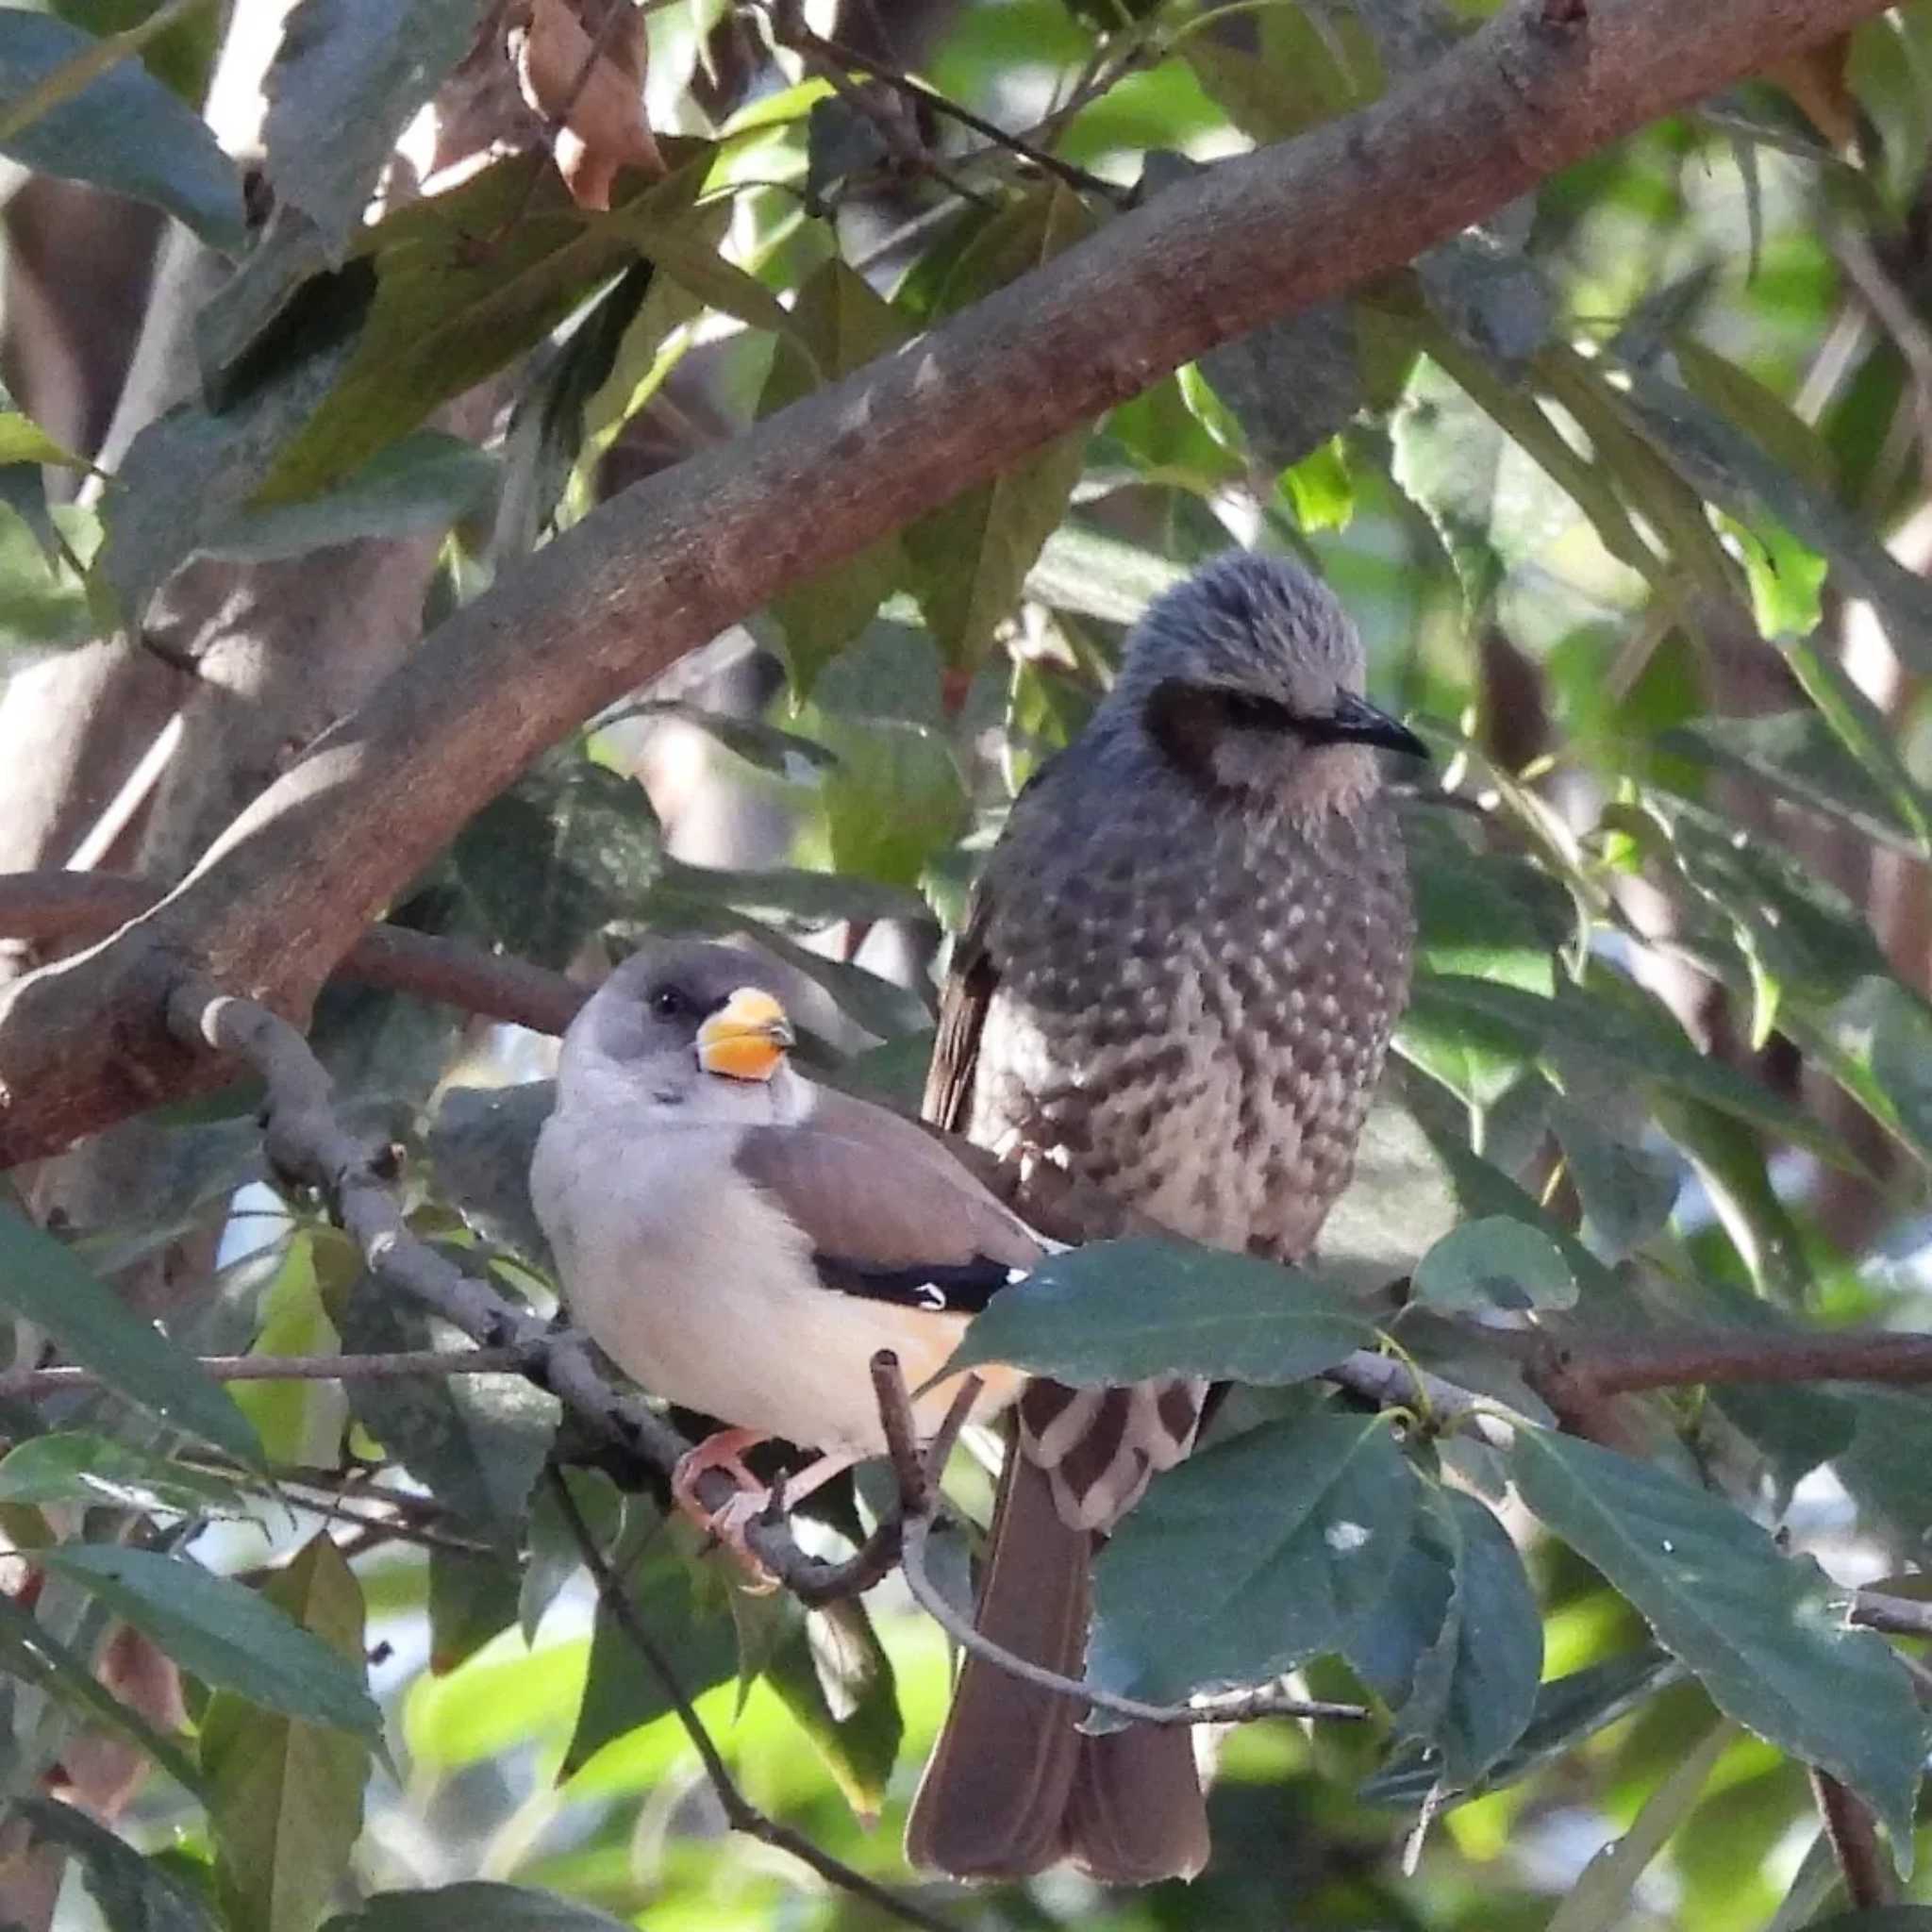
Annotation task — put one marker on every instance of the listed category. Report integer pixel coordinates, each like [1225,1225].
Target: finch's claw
[729,1525]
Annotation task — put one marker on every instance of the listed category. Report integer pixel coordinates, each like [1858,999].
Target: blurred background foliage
[1628,492]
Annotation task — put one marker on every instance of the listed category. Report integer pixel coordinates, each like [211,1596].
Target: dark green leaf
[970,560]
[1728,467]
[476,1907]
[121,130]
[1883,1919]
[1473,1689]
[1627,1190]
[471,1597]
[481,1142]
[1494,1263]
[475,1442]
[420,483]
[844,326]
[465,282]
[284,1798]
[1764,1632]
[345,84]
[222,1633]
[834,1676]
[1568,1711]
[623,1693]
[41,1280]
[555,1556]
[134,1894]
[88,1469]
[1119,1311]
[1288,1535]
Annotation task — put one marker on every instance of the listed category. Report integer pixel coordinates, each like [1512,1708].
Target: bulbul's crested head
[1247,679]
[682,1019]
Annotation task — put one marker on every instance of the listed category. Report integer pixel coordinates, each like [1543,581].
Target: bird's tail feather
[995,1791]
[1013,1786]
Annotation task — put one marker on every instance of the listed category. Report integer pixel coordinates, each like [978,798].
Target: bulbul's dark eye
[668,1002]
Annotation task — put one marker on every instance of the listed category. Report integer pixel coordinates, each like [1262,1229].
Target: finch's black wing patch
[961,1287]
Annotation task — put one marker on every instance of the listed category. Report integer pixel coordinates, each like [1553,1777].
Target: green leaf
[284,1798]
[471,1597]
[23,440]
[1568,1712]
[799,899]
[86,1470]
[1288,1536]
[555,1556]
[81,108]
[1400,1199]
[1627,1190]
[422,483]
[135,1893]
[970,559]
[1726,466]
[622,1692]
[464,283]
[1802,757]
[844,326]
[1494,1263]
[1764,1632]
[1493,506]
[1474,1687]
[222,1633]
[345,82]
[477,1906]
[1119,1311]
[41,1280]
[475,1442]
[1600,1897]
[832,1673]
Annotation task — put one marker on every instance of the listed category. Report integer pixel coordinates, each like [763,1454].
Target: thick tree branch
[1588,1369]
[671,561]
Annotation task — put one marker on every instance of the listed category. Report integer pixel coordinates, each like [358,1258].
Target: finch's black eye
[668,1002]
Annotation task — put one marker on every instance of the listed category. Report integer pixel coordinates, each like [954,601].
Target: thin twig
[834,57]
[1239,1707]
[1854,1843]
[33,1383]
[88,906]
[740,1812]
[918,1476]
[1899,1616]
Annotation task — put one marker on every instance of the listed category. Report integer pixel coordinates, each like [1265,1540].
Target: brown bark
[664,566]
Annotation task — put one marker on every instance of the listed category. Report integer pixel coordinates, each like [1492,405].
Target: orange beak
[747,1037]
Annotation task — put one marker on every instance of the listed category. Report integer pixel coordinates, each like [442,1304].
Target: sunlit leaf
[284,1798]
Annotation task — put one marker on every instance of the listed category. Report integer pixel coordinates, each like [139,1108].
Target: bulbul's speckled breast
[1192,1012]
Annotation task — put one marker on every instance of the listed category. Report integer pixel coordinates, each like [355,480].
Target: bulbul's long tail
[1013,1786]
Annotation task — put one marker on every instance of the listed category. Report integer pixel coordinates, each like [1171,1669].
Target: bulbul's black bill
[1355,721]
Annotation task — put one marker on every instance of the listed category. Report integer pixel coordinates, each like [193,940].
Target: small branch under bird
[1176,982]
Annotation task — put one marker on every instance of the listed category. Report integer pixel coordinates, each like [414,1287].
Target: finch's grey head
[680,1022]
[1247,679]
